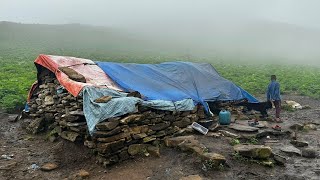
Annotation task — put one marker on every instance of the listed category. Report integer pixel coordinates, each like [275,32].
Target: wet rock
[114,138]
[103,99]
[36,126]
[136,129]
[182,123]
[267,163]
[308,127]
[48,100]
[83,173]
[49,167]
[149,139]
[228,134]
[291,150]
[101,134]
[160,126]
[296,127]
[107,126]
[279,159]
[214,158]
[69,135]
[139,136]
[309,153]
[268,132]
[90,144]
[253,151]
[76,113]
[215,135]
[175,141]
[135,149]
[299,143]
[192,146]
[154,151]
[75,124]
[191,177]
[243,128]
[131,118]
[107,148]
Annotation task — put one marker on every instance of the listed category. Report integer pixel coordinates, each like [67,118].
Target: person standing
[273,95]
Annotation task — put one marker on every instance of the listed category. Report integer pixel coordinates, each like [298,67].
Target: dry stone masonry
[56,111]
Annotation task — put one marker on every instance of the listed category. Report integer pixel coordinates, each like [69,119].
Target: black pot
[206,123]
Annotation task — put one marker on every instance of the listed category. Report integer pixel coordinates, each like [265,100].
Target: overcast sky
[121,13]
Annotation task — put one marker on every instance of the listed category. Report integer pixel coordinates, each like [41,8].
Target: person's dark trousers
[277,105]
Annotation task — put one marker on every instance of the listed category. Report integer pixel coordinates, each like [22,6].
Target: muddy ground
[29,151]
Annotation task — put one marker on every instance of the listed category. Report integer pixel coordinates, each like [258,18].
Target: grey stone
[299,143]
[291,150]
[309,153]
[243,128]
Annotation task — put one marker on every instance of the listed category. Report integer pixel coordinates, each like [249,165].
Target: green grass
[21,44]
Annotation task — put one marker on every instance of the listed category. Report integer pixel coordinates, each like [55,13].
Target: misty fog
[268,31]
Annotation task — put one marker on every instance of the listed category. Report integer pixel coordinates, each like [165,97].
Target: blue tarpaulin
[175,81]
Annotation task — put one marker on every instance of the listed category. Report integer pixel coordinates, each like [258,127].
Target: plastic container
[199,128]
[224,117]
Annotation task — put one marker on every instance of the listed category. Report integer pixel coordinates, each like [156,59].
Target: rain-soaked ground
[22,153]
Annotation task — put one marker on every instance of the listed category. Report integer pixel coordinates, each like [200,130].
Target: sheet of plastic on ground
[93,74]
[174,81]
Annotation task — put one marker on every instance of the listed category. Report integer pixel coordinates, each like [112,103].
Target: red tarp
[93,74]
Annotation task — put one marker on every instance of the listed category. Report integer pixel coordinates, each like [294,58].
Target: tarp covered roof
[170,81]
[175,81]
[93,74]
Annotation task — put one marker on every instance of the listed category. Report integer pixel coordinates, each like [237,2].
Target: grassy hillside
[20,44]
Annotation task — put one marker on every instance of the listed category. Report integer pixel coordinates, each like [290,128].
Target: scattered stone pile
[54,110]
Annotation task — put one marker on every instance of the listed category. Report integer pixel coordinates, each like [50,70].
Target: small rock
[267,163]
[103,99]
[191,177]
[212,134]
[279,159]
[299,143]
[83,173]
[69,135]
[192,146]
[214,158]
[291,150]
[296,127]
[109,125]
[135,149]
[310,127]
[229,134]
[243,128]
[309,153]
[175,141]
[131,118]
[254,151]
[149,139]
[48,100]
[49,167]
[154,151]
